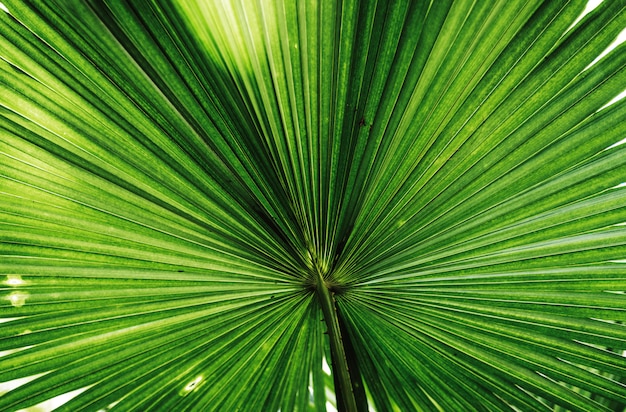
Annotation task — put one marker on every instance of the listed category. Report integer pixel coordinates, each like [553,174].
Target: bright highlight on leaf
[279,205]
[191,386]
[14,280]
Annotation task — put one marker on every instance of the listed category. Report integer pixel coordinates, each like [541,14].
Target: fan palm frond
[202,203]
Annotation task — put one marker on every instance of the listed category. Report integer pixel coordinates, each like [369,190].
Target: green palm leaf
[202,203]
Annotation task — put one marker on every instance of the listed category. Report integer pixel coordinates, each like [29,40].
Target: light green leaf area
[203,203]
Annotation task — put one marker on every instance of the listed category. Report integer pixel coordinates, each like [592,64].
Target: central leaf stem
[343,383]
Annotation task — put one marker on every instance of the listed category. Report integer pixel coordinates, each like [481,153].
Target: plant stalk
[343,382]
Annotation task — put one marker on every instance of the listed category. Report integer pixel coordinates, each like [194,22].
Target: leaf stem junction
[343,383]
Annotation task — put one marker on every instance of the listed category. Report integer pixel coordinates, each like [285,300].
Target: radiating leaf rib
[556,345]
[428,358]
[554,367]
[462,194]
[509,369]
[525,39]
